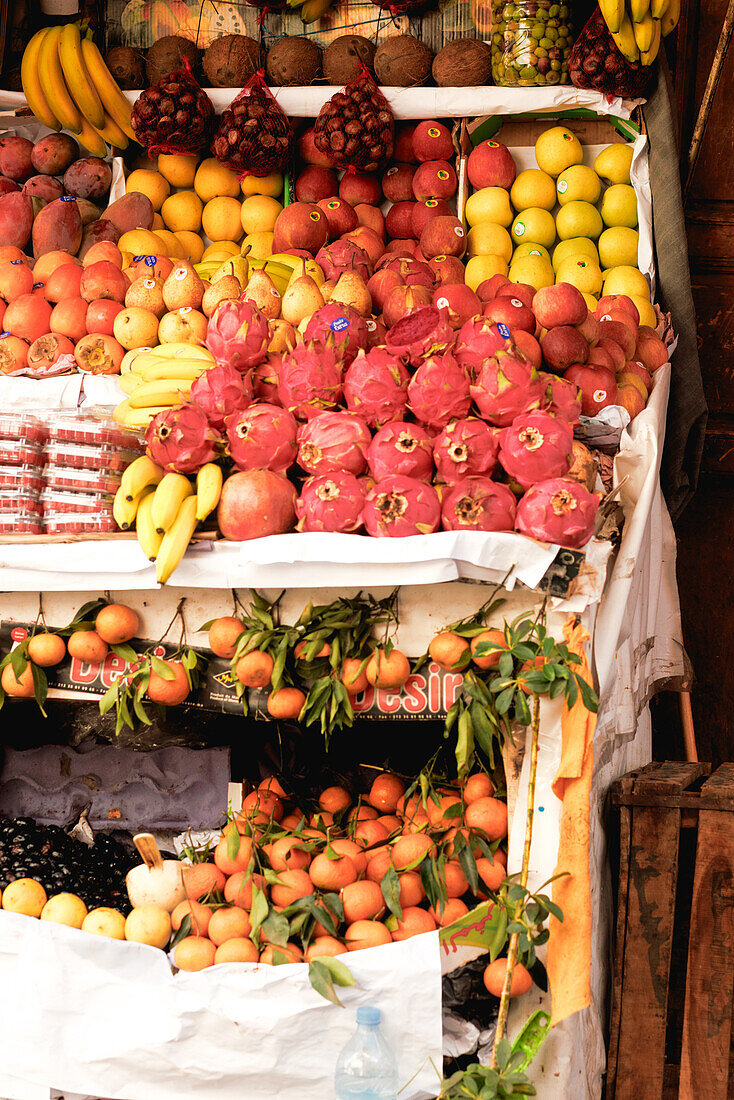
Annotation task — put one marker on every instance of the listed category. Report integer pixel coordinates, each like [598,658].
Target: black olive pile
[50,856]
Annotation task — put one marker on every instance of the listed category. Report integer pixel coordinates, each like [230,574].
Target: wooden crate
[671,1025]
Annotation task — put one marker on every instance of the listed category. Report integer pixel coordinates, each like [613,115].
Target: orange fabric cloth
[568,957]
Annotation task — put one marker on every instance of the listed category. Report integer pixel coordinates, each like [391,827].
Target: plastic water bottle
[366,1068]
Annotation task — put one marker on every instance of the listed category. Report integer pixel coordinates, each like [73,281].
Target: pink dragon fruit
[220,391]
[562,398]
[421,333]
[560,511]
[238,334]
[536,447]
[412,272]
[333,441]
[262,437]
[401,448]
[507,385]
[331,502]
[465,448]
[398,506]
[376,387]
[181,439]
[478,340]
[478,504]
[439,391]
[340,327]
[341,256]
[265,380]
[310,380]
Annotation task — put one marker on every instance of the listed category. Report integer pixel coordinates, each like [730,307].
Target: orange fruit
[286,703]
[466,833]
[287,854]
[411,849]
[363,813]
[386,791]
[17,687]
[46,650]
[388,672]
[272,785]
[238,888]
[200,916]
[169,692]
[228,924]
[488,816]
[194,953]
[491,874]
[86,645]
[320,929]
[262,806]
[489,660]
[201,878]
[454,879]
[453,909]
[390,822]
[366,933]
[378,866]
[335,799]
[494,978]
[254,669]
[437,813]
[149,924]
[116,623]
[529,666]
[324,946]
[332,874]
[273,954]
[323,652]
[345,847]
[292,821]
[450,651]
[370,833]
[293,885]
[237,950]
[362,901]
[411,889]
[477,786]
[413,922]
[321,820]
[223,635]
[26,896]
[241,860]
[354,681]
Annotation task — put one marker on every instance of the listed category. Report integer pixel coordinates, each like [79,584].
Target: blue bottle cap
[368,1015]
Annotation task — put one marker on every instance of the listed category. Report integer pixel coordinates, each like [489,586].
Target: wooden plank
[707,1026]
[662,781]
[109,536]
[625,825]
[646,967]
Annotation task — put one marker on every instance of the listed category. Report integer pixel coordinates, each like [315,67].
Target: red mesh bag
[595,62]
[356,127]
[254,137]
[173,116]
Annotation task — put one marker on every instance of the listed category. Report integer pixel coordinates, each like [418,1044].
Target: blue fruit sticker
[36,285]
[503,330]
[339,324]
[4,334]
[16,261]
[67,198]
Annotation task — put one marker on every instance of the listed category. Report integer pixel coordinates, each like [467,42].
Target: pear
[327,289]
[351,290]
[148,294]
[301,299]
[183,287]
[185,325]
[261,291]
[226,287]
[282,334]
[235,265]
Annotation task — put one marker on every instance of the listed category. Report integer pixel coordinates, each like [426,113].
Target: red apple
[598,387]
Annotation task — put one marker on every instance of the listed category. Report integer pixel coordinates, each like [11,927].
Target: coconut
[345,56]
[463,63]
[127,67]
[293,61]
[231,60]
[403,62]
[167,54]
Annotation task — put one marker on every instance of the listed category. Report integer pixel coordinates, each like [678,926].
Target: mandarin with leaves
[20,686]
[255,669]
[491,659]
[449,651]
[494,978]
[223,635]
[46,650]
[286,703]
[116,623]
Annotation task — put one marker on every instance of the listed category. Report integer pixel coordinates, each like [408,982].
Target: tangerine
[366,933]
[335,800]
[411,889]
[363,813]
[450,651]
[237,950]
[491,874]
[477,786]
[262,806]
[332,874]
[17,687]
[238,888]
[169,692]
[362,901]
[413,922]
[46,650]
[391,823]
[388,671]
[386,792]
[410,850]
[239,862]
[370,833]
[228,924]
[254,669]
[194,953]
[353,676]
[454,879]
[489,660]
[272,785]
[494,978]
[286,703]
[346,847]
[87,646]
[275,954]
[287,854]
[529,666]
[116,623]
[437,813]
[199,917]
[324,946]
[323,652]
[200,879]
[223,635]
[452,910]
[378,866]
[292,886]
[488,816]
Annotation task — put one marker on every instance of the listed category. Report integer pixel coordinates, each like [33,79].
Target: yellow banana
[150,540]
[644,33]
[658,8]
[173,370]
[140,474]
[130,356]
[625,40]
[112,134]
[29,77]
[638,9]
[208,489]
[649,55]
[82,90]
[159,393]
[181,348]
[113,101]
[129,382]
[670,19]
[313,10]
[53,85]
[124,511]
[613,12]
[91,140]
[235,265]
[136,418]
[176,540]
[170,494]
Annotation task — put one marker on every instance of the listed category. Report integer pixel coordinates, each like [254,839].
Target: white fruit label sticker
[180,273]
[599,395]
[391,171]
[516,303]
[443,303]
[639,364]
[562,187]
[534,252]
[148,283]
[606,317]
[371,325]
[274,292]
[185,309]
[519,229]
[458,231]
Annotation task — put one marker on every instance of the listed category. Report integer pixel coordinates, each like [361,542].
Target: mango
[96,231]
[58,226]
[16,218]
[132,211]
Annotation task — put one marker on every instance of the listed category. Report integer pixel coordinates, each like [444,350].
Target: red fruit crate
[671,1025]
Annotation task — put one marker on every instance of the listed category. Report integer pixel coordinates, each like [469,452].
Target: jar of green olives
[531,42]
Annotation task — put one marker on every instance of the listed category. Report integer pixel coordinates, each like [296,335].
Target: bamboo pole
[704,110]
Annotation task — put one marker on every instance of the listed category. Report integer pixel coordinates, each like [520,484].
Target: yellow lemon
[183,210]
[223,248]
[626,280]
[582,272]
[578,182]
[149,183]
[65,909]
[172,243]
[213,180]
[557,149]
[533,188]
[488,239]
[142,242]
[489,204]
[221,219]
[619,205]
[574,246]
[479,268]
[258,246]
[105,922]
[192,245]
[533,270]
[263,185]
[614,162]
[530,249]
[590,300]
[618,247]
[26,896]
[179,170]
[259,213]
[149,924]
[578,219]
[536,225]
[648,316]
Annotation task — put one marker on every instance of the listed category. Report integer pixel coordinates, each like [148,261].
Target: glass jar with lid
[531,43]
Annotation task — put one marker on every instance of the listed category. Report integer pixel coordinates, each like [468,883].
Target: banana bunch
[310,11]
[165,509]
[158,378]
[638,26]
[68,86]
[281,267]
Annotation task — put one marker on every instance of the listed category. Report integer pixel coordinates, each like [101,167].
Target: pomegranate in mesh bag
[535,447]
[397,506]
[376,386]
[421,333]
[465,448]
[237,333]
[254,137]
[181,439]
[356,127]
[262,437]
[558,510]
[595,62]
[173,116]
[507,385]
[341,327]
[333,441]
[331,502]
[310,380]
[478,504]
[220,391]
[401,448]
[439,391]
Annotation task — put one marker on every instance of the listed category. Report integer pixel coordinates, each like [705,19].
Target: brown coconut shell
[127,67]
[293,61]
[167,55]
[231,60]
[344,57]
[463,63]
[403,62]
